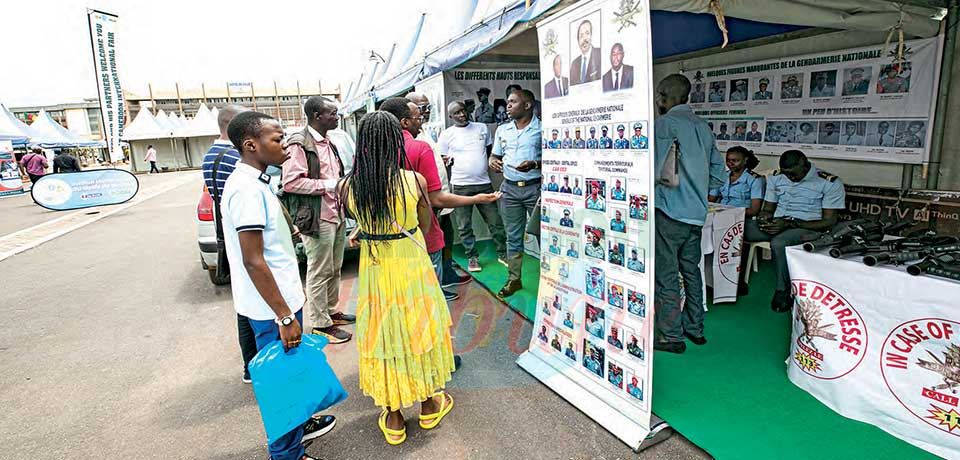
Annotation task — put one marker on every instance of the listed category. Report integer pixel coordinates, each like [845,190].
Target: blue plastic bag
[292,386]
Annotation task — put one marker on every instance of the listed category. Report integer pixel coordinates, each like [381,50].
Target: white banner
[723,240]
[432,88]
[484,92]
[593,332]
[880,346]
[103,30]
[853,104]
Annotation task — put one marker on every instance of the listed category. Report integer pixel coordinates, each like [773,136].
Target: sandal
[430,421]
[387,432]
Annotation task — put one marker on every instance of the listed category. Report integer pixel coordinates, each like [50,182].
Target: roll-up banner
[593,331]
[11,182]
[85,189]
[103,39]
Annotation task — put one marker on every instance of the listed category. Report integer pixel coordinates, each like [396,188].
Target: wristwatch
[285,321]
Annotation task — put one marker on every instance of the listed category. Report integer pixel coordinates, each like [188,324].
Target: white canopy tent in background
[46,126]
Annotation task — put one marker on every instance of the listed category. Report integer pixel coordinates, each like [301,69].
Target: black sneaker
[342,319]
[317,426]
[451,296]
[698,340]
[334,334]
[455,279]
[670,347]
[245,378]
[456,362]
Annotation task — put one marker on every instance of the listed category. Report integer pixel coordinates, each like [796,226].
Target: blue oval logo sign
[85,189]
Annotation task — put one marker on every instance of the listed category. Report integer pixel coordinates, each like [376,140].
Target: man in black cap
[484,112]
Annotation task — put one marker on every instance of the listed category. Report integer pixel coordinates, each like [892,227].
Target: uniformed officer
[484,112]
[763,93]
[791,88]
[516,154]
[856,85]
[621,142]
[593,142]
[554,142]
[605,141]
[800,202]
[578,142]
[911,138]
[567,143]
[638,141]
[743,188]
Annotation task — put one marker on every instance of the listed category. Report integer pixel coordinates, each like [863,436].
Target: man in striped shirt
[248,344]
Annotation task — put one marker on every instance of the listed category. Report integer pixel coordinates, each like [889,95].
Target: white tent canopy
[50,129]
[144,126]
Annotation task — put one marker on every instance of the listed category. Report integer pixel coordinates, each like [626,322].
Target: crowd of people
[395,192]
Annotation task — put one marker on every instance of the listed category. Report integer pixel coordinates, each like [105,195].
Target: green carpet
[732,397]
[494,275]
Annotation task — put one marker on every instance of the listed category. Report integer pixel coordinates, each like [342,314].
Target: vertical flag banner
[593,332]
[103,39]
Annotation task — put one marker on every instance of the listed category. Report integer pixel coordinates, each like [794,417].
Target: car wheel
[218,280]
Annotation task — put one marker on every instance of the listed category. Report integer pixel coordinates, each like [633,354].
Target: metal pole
[276,100]
[906,181]
[203,89]
[228,93]
[153,104]
[253,95]
[299,99]
[179,102]
[946,71]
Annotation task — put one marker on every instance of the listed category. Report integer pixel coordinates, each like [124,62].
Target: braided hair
[376,182]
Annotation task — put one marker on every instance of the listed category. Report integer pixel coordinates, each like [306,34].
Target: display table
[722,240]
[878,345]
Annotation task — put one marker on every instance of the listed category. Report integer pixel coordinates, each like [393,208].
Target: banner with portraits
[484,92]
[854,104]
[593,331]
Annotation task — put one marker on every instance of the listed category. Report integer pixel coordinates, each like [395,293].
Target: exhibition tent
[46,126]
[11,124]
[146,130]
[9,131]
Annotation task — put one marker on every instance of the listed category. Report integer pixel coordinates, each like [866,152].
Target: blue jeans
[288,447]
[677,254]
[436,258]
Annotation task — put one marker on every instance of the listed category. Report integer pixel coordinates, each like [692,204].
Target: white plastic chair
[752,257]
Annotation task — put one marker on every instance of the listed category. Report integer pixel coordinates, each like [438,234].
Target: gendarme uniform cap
[620,128]
[593,129]
[637,126]
[764,81]
[555,131]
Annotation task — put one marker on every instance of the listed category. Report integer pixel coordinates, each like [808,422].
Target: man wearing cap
[593,142]
[554,143]
[484,112]
[621,142]
[856,85]
[739,133]
[567,142]
[566,221]
[595,199]
[893,82]
[791,88]
[738,91]
[617,224]
[821,86]
[572,251]
[578,142]
[605,141]
[559,85]
[763,93]
[576,187]
[516,154]
[634,263]
[620,75]
[850,136]
[552,186]
[881,138]
[698,95]
[807,134]
[680,214]
[638,141]
[717,92]
[754,135]
[554,247]
[565,188]
[618,193]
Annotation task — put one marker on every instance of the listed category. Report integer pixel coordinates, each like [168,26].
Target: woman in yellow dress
[403,323]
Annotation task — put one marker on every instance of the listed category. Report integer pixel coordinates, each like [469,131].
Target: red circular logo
[920,363]
[728,249]
[829,335]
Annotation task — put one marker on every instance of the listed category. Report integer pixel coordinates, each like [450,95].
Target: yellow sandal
[430,421]
[387,432]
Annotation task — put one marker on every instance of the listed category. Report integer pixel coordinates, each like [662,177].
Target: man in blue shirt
[578,142]
[572,252]
[621,142]
[801,202]
[593,143]
[228,162]
[638,141]
[554,143]
[567,143]
[516,154]
[680,214]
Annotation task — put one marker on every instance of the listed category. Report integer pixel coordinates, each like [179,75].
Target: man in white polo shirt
[265,278]
[469,145]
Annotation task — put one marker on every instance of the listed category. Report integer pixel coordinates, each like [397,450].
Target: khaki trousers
[324,260]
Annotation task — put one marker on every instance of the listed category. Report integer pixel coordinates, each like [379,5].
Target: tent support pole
[946,71]
[906,181]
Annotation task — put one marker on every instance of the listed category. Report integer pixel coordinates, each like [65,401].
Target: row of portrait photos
[617,136]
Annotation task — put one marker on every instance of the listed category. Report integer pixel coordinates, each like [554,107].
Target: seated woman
[744,188]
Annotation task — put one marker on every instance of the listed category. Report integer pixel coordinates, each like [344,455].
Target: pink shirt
[421,159]
[296,180]
[151,155]
[34,164]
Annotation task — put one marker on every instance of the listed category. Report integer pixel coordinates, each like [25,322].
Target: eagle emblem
[948,368]
[810,316]
[625,16]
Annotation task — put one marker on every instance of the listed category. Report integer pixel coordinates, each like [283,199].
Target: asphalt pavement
[117,346]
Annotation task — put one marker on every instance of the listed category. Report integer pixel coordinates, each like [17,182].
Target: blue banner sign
[85,189]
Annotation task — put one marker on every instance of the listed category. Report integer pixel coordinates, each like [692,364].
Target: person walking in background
[35,164]
[403,323]
[223,149]
[681,212]
[65,163]
[151,156]
[310,179]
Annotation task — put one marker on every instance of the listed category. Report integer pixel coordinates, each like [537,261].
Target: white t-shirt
[468,147]
[249,204]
